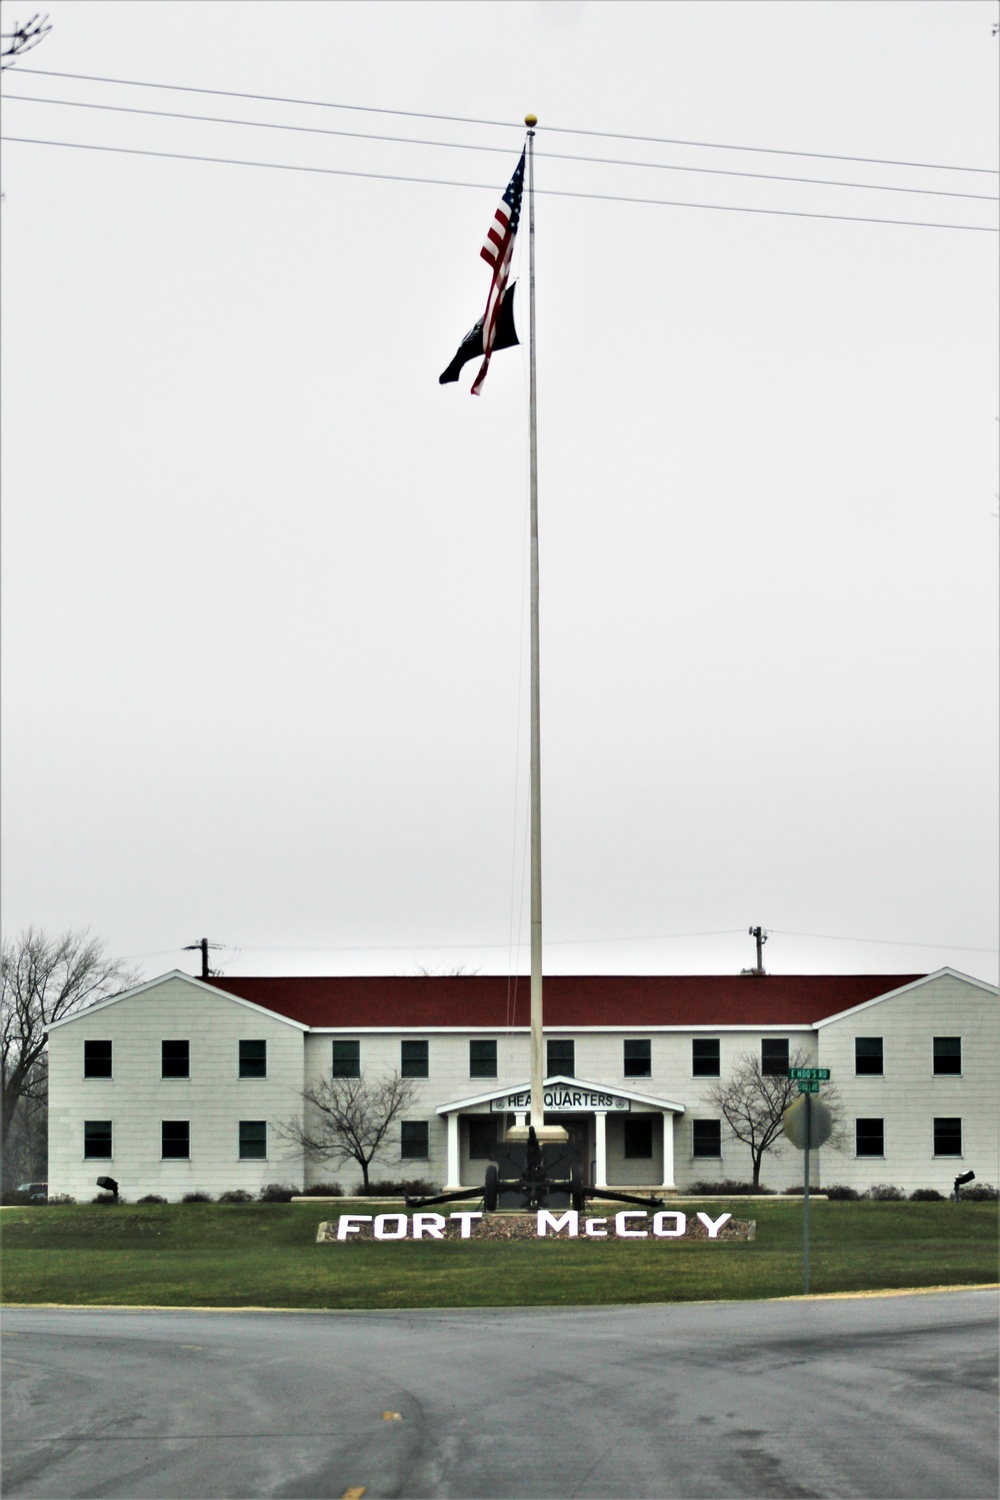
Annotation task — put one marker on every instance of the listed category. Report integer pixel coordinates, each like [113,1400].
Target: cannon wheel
[490,1192]
[578,1195]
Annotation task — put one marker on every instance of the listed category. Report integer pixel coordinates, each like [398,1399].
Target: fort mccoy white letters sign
[630,1224]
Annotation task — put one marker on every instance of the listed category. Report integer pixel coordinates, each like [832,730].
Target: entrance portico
[589,1104]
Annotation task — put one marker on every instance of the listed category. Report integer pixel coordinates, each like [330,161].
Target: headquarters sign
[560,1096]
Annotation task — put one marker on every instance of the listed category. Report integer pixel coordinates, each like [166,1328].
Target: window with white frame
[482,1059]
[97,1140]
[637,1059]
[705,1057]
[346,1059]
[97,1059]
[947,1135]
[414,1059]
[253,1140]
[175,1140]
[706,1137]
[253,1059]
[869,1136]
[414,1143]
[774,1056]
[947,1054]
[175,1059]
[560,1057]
[868,1055]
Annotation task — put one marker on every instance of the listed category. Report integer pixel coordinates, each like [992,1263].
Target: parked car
[35,1192]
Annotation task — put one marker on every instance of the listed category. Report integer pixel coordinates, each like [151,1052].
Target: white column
[601,1148]
[454,1167]
[668,1149]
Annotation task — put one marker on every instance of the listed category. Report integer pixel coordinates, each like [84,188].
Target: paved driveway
[862,1397]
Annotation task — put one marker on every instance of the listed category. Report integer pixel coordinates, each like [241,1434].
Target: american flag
[497,252]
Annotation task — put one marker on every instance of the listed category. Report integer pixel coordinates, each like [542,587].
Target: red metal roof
[570,1000]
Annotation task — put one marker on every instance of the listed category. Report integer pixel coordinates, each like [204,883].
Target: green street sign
[821,1073]
[808,1086]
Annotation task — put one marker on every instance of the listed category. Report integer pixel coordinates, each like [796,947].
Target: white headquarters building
[179,1084]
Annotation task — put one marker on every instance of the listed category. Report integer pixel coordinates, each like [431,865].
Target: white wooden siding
[136,1099]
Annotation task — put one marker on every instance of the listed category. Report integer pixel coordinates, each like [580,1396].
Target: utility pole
[761,937]
[203,946]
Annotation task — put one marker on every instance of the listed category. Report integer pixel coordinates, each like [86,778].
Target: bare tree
[455,972]
[753,1105]
[348,1119]
[26,1140]
[43,979]
[13,44]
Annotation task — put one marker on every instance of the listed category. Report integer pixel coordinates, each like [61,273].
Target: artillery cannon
[533,1175]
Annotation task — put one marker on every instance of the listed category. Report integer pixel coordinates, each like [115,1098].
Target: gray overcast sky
[265,578]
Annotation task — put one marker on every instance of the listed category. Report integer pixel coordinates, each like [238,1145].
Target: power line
[655,937]
[465,947]
[607,161]
[228,161]
[156,953]
[415,114]
[832,937]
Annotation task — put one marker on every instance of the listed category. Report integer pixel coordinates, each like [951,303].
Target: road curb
[907,1291]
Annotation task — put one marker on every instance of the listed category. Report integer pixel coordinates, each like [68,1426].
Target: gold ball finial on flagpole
[530,120]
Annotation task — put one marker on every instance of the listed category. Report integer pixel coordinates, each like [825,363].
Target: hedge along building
[180,1085]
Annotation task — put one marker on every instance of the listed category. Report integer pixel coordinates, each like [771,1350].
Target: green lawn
[265,1255]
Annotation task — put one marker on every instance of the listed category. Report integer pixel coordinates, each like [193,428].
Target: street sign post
[807,1125]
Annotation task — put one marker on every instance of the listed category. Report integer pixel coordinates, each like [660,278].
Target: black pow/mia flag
[471,346]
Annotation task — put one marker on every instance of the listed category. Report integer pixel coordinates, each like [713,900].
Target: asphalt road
[861,1397]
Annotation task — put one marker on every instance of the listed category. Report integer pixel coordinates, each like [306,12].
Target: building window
[347,1059]
[175,1139]
[175,1059]
[482,1059]
[705,1057]
[868,1054]
[774,1056]
[414,1144]
[706,1137]
[560,1057]
[947,1137]
[638,1137]
[253,1059]
[947,1054]
[97,1059]
[482,1137]
[97,1139]
[638,1059]
[253,1140]
[869,1137]
[413,1059]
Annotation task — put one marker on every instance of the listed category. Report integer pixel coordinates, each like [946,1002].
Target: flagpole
[537,1035]
[537,1064]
